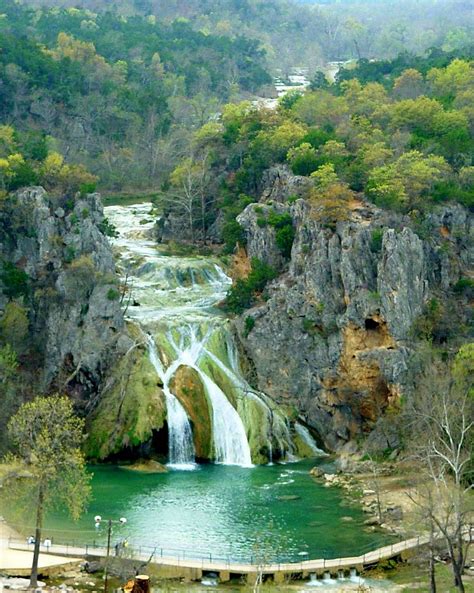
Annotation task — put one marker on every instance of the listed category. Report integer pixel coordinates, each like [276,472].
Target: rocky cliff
[69,290]
[337,332]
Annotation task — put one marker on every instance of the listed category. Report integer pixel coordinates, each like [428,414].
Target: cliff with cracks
[336,331]
[58,274]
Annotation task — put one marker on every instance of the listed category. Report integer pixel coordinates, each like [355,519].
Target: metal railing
[370,553]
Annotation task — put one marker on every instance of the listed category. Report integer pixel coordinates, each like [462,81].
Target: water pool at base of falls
[278,512]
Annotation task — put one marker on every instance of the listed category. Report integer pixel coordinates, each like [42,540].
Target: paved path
[12,559]
[367,559]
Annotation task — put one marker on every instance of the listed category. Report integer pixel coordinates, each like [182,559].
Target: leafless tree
[441,419]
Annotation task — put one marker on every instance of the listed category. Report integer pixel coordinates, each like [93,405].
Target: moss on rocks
[131,407]
[189,389]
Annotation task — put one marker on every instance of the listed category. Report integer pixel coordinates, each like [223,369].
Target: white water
[305,435]
[181,446]
[172,299]
[230,441]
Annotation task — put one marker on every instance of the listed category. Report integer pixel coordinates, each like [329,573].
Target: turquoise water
[223,512]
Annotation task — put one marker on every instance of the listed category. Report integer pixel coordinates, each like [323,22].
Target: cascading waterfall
[173,301]
[181,447]
[305,435]
[230,440]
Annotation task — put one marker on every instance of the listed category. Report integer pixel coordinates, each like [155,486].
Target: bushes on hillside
[243,294]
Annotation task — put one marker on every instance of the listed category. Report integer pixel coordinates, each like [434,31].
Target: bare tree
[189,193]
[441,422]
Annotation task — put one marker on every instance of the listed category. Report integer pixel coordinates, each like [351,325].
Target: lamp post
[98,520]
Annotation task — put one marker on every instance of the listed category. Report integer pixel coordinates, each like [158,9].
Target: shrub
[249,325]
[376,240]
[107,228]
[113,294]
[465,287]
[15,281]
[242,294]
[14,326]
[232,233]
[284,238]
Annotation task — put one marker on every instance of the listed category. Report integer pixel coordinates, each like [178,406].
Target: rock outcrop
[335,335]
[73,301]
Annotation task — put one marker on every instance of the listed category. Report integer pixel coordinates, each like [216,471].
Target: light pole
[98,520]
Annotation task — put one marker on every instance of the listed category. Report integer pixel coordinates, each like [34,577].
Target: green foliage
[283,225]
[87,188]
[249,325]
[232,233]
[46,438]
[8,388]
[376,240]
[107,228]
[464,286]
[284,238]
[242,295]
[15,281]
[14,326]
[113,294]
[122,78]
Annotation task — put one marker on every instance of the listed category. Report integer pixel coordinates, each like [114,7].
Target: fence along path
[157,557]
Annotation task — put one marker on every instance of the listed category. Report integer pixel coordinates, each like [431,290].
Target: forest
[118,91]
[281,274]
[398,132]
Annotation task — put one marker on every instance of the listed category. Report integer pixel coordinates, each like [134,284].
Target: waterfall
[181,447]
[305,435]
[278,429]
[230,441]
[173,299]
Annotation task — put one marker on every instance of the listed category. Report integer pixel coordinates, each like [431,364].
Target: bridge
[186,565]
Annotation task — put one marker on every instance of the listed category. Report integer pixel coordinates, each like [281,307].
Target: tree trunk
[36,552]
[457,570]
[432,572]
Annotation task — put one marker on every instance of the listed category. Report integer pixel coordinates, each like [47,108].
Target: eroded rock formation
[336,334]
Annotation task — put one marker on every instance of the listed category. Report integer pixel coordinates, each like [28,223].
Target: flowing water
[173,300]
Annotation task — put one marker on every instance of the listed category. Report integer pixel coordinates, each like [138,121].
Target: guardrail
[178,556]
[209,561]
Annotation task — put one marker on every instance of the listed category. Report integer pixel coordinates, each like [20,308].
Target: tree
[319,81]
[8,389]
[330,196]
[441,423]
[189,192]
[409,85]
[46,438]
[403,183]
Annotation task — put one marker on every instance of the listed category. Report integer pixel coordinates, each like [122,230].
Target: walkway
[193,568]
[180,566]
[17,562]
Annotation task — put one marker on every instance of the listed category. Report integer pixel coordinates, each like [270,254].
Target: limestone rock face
[261,239]
[189,389]
[335,336]
[73,306]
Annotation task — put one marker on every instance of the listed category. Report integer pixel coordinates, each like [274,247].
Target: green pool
[274,512]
